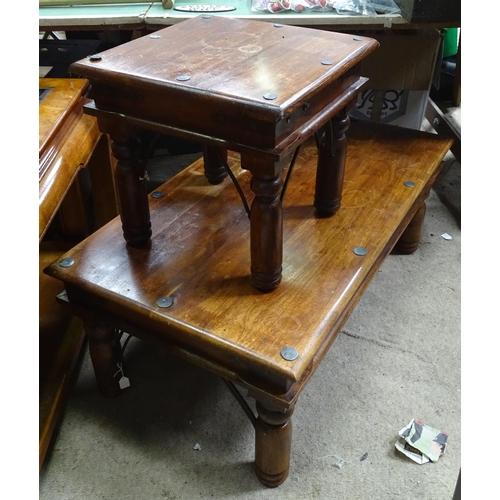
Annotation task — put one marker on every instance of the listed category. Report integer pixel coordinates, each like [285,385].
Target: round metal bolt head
[360,251]
[409,184]
[269,96]
[67,262]
[157,194]
[164,301]
[278,25]
[206,16]
[326,62]
[357,38]
[289,353]
[183,78]
[155,36]
[95,57]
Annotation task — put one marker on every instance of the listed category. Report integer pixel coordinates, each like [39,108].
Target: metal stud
[67,262]
[164,301]
[289,353]
[357,38]
[183,78]
[206,16]
[157,194]
[269,96]
[95,57]
[155,36]
[326,62]
[409,184]
[278,25]
[360,251]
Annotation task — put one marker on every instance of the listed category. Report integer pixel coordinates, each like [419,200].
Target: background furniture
[69,141]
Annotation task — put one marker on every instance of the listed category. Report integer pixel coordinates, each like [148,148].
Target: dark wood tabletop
[199,257]
[250,82]
[189,291]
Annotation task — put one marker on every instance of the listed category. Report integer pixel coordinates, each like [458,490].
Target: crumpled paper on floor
[421,442]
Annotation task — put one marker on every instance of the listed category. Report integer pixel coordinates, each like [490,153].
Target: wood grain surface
[199,256]
[250,82]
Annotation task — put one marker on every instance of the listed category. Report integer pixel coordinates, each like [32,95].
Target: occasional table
[256,88]
[189,293]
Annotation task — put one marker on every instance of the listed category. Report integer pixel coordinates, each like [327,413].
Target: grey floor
[398,357]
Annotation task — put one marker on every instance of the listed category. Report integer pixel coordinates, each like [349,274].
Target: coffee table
[253,87]
[189,292]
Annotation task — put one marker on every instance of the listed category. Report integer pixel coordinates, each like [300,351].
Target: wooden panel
[69,140]
[199,256]
[57,107]
[71,154]
[60,342]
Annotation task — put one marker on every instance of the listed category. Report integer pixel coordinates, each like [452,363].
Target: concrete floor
[398,357]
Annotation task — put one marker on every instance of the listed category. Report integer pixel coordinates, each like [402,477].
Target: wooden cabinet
[69,141]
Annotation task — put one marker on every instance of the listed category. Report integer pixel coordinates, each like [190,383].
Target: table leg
[131,184]
[214,159]
[266,231]
[273,443]
[408,242]
[107,358]
[331,163]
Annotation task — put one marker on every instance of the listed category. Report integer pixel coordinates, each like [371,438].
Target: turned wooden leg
[331,163]
[131,185]
[273,443]
[266,232]
[214,159]
[410,239]
[107,360]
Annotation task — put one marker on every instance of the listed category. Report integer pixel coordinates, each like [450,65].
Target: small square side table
[253,87]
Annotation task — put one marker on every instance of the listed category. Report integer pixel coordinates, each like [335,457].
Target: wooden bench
[190,290]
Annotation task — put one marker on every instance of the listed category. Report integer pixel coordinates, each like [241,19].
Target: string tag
[124,382]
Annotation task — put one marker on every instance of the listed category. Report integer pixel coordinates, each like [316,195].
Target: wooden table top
[56,106]
[199,256]
[236,79]
[234,59]
[67,139]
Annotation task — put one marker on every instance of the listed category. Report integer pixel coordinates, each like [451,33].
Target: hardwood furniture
[189,291]
[60,114]
[69,141]
[61,341]
[247,86]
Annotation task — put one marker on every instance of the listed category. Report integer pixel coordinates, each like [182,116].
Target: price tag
[124,383]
